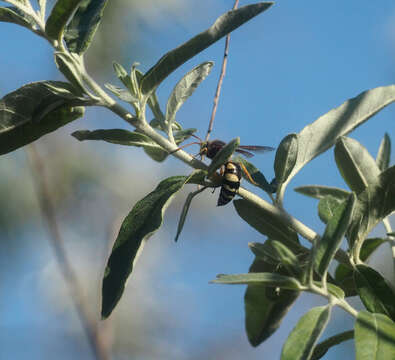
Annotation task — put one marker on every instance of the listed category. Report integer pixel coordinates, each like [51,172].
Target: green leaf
[82,27]
[321,349]
[334,290]
[286,155]
[117,136]
[182,135]
[265,306]
[368,247]
[266,223]
[34,110]
[336,228]
[320,135]
[122,94]
[142,222]
[327,206]
[124,77]
[268,279]
[356,165]
[184,89]
[185,210]
[256,175]
[374,337]
[375,293]
[223,155]
[59,17]
[373,204]
[12,14]
[277,252]
[384,154]
[391,234]
[66,65]
[320,192]
[225,24]
[300,343]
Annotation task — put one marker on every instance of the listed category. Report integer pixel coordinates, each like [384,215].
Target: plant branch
[321,349]
[89,325]
[220,80]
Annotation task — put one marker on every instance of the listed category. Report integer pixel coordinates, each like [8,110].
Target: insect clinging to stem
[231,171]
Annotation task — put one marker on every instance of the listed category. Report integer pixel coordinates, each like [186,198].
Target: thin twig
[89,325]
[221,78]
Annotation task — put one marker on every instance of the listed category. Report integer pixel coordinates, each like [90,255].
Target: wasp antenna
[183,146]
[197,137]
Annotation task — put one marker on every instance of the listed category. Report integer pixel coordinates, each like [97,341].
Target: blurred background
[286,68]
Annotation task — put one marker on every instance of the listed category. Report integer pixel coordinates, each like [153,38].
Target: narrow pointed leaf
[300,343]
[184,89]
[336,228]
[12,14]
[256,175]
[117,136]
[67,67]
[28,113]
[265,306]
[223,155]
[122,94]
[322,348]
[142,222]
[320,191]
[82,27]
[374,337]
[185,210]
[123,76]
[178,56]
[267,224]
[384,153]
[59,17]
[322,134]
[375,293]
[356,165]
[373,204]
[286,156]
[268,279]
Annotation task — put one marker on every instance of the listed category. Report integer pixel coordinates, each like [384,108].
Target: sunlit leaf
[322,348]
[268,279]
[225,24]
[327,206]
[12,14]
[142,222]
[374,337]
[286,156]
[184,89]
[320,135]
[384,154]
[373,204]
[300,343]
[356,165]
[320,191]
[68,68]
[82,27]
[59,17]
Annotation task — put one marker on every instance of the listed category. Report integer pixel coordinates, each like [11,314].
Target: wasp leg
[247,174]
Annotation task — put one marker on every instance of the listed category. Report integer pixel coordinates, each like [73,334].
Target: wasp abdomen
[230,183]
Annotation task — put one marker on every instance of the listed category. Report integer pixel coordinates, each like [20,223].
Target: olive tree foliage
[283,267]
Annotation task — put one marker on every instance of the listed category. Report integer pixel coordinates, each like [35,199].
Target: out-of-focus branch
[44,196]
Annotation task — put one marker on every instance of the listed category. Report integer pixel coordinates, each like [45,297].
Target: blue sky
[286,68]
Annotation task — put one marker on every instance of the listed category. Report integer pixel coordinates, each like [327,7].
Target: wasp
[232,171]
